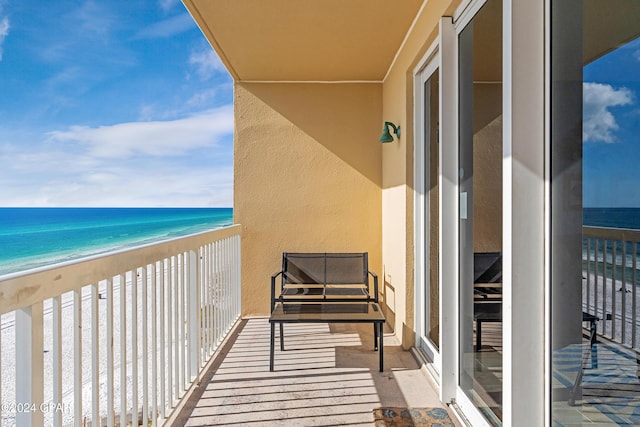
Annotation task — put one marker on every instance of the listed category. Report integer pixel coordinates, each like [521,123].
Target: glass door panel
[480,226]
[595,212]
[427,216]
[432,320]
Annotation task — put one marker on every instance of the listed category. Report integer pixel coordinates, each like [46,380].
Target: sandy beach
[67,404]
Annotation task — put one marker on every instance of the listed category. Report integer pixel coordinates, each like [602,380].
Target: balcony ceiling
[311,40]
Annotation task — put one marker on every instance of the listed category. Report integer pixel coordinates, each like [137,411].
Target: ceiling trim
[404,40]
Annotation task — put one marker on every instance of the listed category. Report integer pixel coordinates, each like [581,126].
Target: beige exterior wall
[331,185]
[307,176]
[397,171]
[487,168]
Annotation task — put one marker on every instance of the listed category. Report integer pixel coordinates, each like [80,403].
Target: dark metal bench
[325,288]
[487,307]
[487,289]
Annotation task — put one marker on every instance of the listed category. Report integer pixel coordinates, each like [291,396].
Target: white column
[448,226]
[523,213]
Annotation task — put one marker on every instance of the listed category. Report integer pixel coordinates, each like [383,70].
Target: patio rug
[411,417]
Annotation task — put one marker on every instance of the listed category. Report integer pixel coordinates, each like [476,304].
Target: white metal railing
[115,338]
[610,282]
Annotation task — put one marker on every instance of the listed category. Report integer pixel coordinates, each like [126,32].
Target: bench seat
[325,288]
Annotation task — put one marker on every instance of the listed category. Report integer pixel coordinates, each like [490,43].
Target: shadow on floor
[327,375]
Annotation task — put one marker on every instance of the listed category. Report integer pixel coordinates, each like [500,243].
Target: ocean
[612,217]
[35,237]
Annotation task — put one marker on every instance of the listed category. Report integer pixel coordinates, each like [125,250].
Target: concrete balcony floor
[328,375]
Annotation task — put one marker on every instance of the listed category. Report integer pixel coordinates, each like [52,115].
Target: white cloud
[206,63]
[154,138]
[599,124]
[4,32]
[168,28]
[94,20]
[186,162]
[109,184]
[167,5]
[154,187]
[204,96]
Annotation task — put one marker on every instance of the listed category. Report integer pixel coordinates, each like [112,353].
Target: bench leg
[281,336]
[594,349]
[272,345]
[381,346]
[375,337]
[478,335]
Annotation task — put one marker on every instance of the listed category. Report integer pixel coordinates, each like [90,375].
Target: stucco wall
[307,176]
[487,168]
[397,171]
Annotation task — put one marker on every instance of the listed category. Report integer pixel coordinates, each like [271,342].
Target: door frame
[526,38]
[428,65]
[462,18]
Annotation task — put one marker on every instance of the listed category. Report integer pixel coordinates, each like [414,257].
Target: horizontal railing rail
[610,282]
[118,338]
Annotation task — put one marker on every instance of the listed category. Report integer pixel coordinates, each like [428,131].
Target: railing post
[199,290]
[135,275]
[56,309]
[194,315]
[145,346]
[29,365]
[77,357]
[109,349]
[238,277]
[123,349]
[95,358]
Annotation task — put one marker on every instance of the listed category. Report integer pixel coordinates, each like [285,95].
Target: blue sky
[106,103]
[111,103]
[611,129]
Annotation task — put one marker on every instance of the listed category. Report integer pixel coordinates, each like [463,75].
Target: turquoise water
[34,237]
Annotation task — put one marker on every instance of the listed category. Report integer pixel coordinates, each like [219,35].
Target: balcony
[603,375]
[328,375]
[124,336]
[154,334]
[610,281]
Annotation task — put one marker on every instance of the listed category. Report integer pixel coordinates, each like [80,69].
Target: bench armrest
[273,289]
[375,285]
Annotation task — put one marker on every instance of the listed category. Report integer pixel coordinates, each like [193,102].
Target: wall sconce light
[386,135]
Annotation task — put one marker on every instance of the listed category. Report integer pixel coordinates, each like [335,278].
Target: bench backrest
[325,268]
[487,267]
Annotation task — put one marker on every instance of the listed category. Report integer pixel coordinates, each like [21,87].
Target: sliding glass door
[595,212]
[480,216]
[426,212]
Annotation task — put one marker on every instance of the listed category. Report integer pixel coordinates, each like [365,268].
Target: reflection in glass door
[426,207]
[480,225]
[595,213]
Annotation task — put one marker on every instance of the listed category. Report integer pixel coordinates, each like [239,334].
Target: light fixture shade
[386,134]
